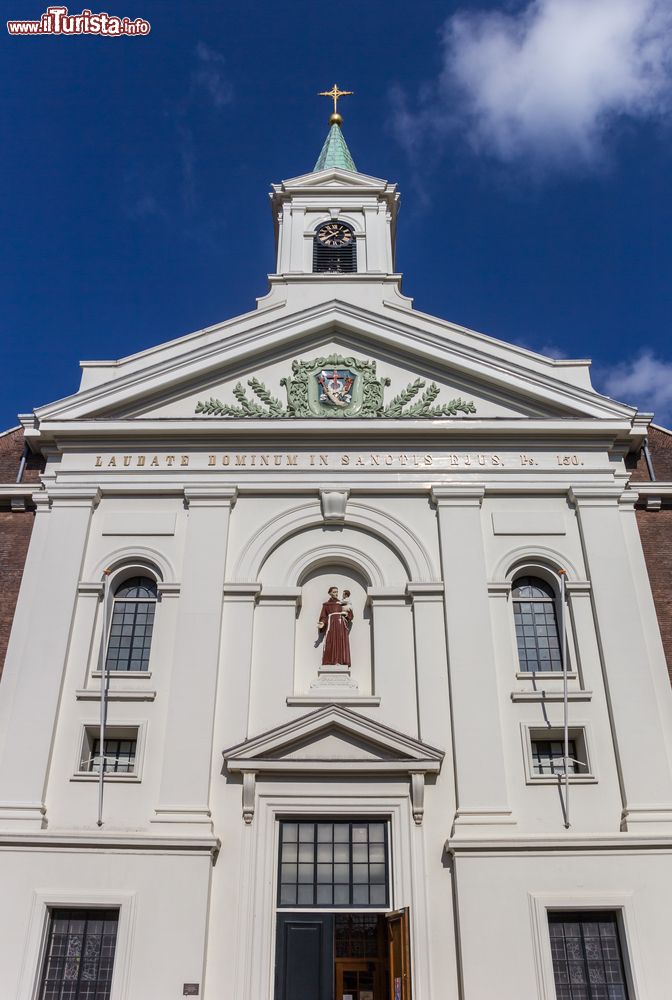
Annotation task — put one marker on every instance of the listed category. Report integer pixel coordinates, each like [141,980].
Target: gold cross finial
[335,93]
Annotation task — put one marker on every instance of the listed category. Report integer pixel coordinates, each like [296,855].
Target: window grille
[132,625]
[119,756]
[535,616]
[333,864]
[587,957]
[356,935]
[335,260]
[79,955]
[548,757]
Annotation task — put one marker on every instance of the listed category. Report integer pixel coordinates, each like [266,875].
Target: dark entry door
[304,957]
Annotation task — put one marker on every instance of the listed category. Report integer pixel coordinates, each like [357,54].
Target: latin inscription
[305,460]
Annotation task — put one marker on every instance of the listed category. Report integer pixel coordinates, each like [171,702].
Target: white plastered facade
[244,523]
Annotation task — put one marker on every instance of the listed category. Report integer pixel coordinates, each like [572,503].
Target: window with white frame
[588,961]
[130,637]
[544,749]
[79,954]
[333,863]
[536,621]
[120,751]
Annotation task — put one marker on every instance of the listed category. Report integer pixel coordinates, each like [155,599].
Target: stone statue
[335,622]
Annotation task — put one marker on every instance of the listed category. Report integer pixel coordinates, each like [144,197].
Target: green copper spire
[335,152]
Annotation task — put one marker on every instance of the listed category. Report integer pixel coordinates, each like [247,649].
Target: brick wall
[15,530]
[11,449]
[660,448]
[655,530]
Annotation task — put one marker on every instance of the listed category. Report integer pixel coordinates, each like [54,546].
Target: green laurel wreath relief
[424,406]
[269,406]
[265,405]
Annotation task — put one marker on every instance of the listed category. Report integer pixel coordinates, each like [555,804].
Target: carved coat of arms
[335,386]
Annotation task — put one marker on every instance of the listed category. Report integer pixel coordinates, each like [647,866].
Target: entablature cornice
[179,432]
[616,843]
[308,484]
[83,840]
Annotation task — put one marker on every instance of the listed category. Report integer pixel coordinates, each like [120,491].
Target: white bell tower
[336,226]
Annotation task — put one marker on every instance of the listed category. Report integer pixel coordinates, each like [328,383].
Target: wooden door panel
[399,954]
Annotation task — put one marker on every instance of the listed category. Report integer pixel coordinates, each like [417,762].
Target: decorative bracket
[249,784]
[418,796]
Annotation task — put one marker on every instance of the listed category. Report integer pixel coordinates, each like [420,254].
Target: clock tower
[335,225]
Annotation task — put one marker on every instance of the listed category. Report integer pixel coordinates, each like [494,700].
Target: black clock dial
[334,234]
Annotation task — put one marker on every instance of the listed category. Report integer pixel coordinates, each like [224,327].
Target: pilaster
[431,663]
[187,752]
[240,601]
[481,788]
[641,752]
[297,255]
[394,657]
[273,657]
[38,651]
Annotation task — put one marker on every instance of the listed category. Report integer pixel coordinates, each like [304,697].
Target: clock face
[334,234]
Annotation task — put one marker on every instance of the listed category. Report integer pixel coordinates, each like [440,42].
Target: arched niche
[402,557]
[315,583]
[308,546]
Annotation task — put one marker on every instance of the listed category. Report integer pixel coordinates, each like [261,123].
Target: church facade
[335,669]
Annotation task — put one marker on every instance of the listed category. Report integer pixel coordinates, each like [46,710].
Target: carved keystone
[333,505]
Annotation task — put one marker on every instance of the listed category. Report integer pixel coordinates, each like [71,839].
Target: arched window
[132,624]
[534,612]
[335,249]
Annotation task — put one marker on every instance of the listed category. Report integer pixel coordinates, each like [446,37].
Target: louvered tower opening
[334,260]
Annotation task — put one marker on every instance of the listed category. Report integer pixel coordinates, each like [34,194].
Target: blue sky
[530,141]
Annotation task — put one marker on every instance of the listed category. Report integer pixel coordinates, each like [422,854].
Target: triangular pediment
[498,381]
[331,739]
[335,177]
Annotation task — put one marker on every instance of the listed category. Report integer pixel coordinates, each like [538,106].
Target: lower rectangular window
[587,956]
[79,954]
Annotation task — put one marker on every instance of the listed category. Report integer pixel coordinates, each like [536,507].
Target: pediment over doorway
[333,740]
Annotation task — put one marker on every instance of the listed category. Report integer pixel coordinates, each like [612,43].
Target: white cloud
[209,75]
[548,83]
[144,206]
[645,382]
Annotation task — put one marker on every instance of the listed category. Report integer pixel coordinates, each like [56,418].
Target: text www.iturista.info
[57,21]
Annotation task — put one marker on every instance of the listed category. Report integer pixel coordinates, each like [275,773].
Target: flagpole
[565,693]
[103,696]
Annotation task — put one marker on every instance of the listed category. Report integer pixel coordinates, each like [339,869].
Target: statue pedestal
[334,677]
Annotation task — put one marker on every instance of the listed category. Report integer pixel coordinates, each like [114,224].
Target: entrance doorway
[343,956]
[360,956]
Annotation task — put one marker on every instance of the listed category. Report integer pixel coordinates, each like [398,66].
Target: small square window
[120,755]
[544,752]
